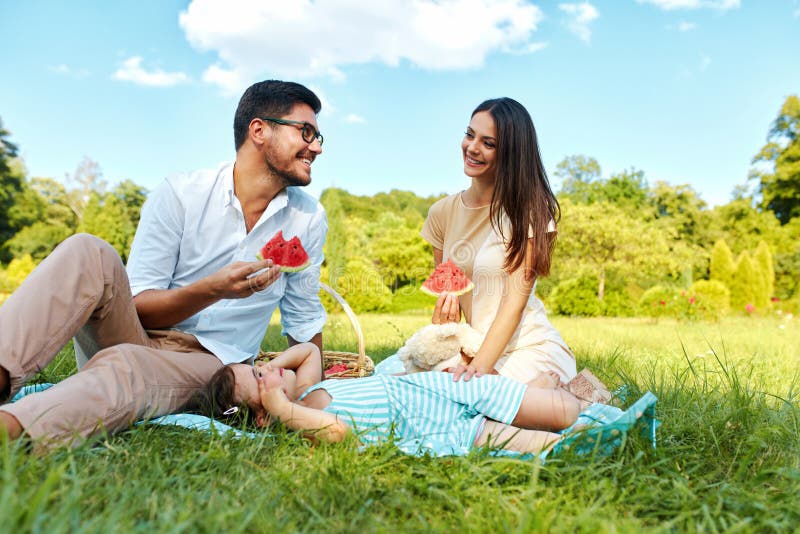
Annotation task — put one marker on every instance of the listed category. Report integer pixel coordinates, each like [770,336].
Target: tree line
[625,246]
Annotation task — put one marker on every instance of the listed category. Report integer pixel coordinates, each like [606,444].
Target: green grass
[728,457]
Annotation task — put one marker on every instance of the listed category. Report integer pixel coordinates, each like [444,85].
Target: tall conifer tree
[722,266]
[743,285]
[763,258]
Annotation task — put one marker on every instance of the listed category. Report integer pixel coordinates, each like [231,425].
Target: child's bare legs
[512,438]
[552,409]
[544,406]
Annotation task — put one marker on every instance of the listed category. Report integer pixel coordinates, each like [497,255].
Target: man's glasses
[308,131]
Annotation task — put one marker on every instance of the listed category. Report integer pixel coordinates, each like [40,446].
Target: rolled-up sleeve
[302,314]
[156,245]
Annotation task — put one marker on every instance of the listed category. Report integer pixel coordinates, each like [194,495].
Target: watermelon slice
[447,278]
[290,255]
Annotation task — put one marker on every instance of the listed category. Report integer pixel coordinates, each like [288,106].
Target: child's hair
[217,399]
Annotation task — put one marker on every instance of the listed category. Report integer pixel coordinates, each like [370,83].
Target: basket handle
[353,320]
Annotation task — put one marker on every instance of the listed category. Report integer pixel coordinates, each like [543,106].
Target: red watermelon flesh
[447,278]
[290,255]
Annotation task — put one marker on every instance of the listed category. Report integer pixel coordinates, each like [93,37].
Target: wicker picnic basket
[357,364]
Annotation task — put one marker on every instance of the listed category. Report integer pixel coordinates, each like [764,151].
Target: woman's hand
[447,309]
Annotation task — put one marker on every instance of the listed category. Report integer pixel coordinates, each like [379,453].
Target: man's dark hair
[270,98]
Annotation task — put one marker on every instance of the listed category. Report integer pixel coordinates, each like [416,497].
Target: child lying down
[424,407]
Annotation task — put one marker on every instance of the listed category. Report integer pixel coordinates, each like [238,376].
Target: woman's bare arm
[505,323]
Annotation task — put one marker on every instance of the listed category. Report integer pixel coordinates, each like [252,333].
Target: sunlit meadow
[728,456]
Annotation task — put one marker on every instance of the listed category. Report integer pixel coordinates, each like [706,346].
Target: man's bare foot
[546,380]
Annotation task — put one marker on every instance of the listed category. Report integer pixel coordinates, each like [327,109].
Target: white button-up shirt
[192,225]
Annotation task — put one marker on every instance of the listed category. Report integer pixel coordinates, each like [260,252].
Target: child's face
[246,386]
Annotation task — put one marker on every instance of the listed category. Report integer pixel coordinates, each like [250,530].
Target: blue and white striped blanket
[599,430]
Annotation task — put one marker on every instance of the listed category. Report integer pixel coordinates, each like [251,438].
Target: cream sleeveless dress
[465,235]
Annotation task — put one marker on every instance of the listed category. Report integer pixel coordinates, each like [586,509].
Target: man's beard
[288,178]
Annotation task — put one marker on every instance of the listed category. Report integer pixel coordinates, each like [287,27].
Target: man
[195,300]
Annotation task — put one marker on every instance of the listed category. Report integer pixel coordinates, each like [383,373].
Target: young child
[429,410]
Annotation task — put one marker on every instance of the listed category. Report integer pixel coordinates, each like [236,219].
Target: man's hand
[242,279]
[162,308]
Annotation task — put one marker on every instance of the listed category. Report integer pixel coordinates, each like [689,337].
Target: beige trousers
[82,290]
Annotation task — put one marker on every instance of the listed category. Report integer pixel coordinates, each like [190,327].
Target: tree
[766,268]
[743,285]
[107,218]
[43,212]
[577,174]
[683,207]
[779,174]
[627,190]
[37,240]
[89,180]
[10,183]
[336,242]
[741,225]
[722,266]
[398,251]
[601,237]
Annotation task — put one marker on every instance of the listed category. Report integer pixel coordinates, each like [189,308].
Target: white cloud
[581,15]
[254,39]
[669,5]
[529,48]
[66,70]
[355,119]
[705,61]
[684,26]
[132,71]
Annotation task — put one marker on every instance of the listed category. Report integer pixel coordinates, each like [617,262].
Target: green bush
[709,300]
[617,303]
[410,298]
[660,301]
[363,287]
[576,297]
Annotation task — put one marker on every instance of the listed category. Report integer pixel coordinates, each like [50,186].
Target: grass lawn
[728,457]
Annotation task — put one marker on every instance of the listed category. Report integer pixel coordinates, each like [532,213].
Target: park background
[669,129]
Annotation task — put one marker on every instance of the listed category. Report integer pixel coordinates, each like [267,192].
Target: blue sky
[684,90]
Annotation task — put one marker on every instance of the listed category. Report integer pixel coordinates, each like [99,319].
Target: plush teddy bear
[438,346]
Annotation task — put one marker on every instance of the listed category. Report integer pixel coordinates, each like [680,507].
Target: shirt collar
[227,185]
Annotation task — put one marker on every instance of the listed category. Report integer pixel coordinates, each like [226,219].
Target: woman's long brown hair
[521,191]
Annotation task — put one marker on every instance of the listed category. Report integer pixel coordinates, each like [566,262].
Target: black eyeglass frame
[308,129]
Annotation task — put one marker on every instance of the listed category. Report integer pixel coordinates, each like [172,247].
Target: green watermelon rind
[467,289]
[285,269]
[303,267]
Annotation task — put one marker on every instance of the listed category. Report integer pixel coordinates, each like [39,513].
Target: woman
[423,411]
[500,231]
